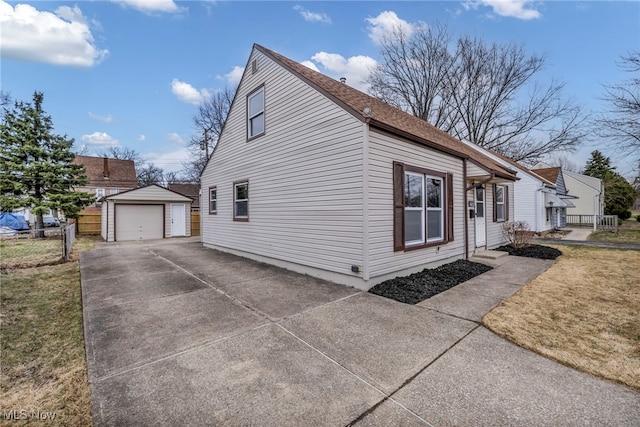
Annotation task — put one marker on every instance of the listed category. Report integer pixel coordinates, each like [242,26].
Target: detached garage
[151,212]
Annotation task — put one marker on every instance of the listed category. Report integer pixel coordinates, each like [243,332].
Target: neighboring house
[151,212]
[315,176]
[533,194]
[190,190]
[556,204]
[590,193]
[106,176]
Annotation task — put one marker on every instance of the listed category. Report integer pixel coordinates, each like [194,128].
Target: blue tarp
[14,221]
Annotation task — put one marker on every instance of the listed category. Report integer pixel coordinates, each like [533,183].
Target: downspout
[464,209]
[365,200]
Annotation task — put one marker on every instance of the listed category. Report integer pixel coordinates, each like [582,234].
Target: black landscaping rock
[429,282]
[532,251]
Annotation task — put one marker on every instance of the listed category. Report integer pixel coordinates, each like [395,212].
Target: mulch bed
[429,282]
[532,251]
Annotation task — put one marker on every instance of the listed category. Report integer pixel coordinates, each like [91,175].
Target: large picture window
[423,207]
[241,201]
[255,113]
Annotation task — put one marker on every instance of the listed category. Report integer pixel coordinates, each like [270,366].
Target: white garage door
[139,222]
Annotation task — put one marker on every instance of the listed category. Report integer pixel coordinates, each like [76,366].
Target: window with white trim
[255,113]
[213,200]
[423,208]
[241,201]
[500,203]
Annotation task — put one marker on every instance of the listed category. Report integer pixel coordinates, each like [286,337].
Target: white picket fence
[598,222]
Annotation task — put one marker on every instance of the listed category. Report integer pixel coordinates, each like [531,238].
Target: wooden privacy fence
[89,222]
[598,222]
[195,223]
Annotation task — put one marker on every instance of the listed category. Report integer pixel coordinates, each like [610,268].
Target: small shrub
[518,233]
[624,215]
[638,218]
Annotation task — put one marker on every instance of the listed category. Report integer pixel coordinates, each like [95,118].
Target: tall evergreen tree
[598,165]
[619,195]
[35,164]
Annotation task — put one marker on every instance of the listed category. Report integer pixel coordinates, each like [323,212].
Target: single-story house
[151,212]
[315,176]
[534,195]
[556,204]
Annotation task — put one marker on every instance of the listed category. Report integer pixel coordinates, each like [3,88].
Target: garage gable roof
[150,193]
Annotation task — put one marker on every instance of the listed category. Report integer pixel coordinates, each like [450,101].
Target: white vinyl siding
[495,237]
[384,149]
[151,195]
[305,175]
[589,191]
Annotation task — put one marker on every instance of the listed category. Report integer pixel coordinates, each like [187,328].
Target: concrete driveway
[180,334]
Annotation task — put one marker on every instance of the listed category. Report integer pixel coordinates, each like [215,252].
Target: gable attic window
[423,207]
[241,201]
[500,203]
[255,113]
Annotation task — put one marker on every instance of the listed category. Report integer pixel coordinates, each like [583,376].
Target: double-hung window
[423,207]
[241,201]
[500,203]
[213,200]
[255,113]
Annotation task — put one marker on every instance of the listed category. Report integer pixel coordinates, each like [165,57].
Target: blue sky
[131,73]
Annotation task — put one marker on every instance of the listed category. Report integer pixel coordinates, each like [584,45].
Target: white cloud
[187,93]
[311,65]
[385,24]
[174,138]
[312,16]
[142,138]
[510,8]
[150,6]
[63,38]
[356,69]
[100,140]
[234,76]
[105,119]
[169,162]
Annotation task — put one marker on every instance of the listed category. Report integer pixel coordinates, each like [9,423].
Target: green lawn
[28,252]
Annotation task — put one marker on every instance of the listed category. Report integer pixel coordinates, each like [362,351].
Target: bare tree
[565,163]
[209,121]
[123,153]
[149,174]
[622,122]
[483,93]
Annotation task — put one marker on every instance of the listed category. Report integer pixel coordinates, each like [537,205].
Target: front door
[481,226]
[178,223]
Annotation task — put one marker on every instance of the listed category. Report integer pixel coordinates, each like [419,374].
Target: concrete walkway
[180,334]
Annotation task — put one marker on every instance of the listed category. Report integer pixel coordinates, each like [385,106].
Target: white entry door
[481,225]
[178,220]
